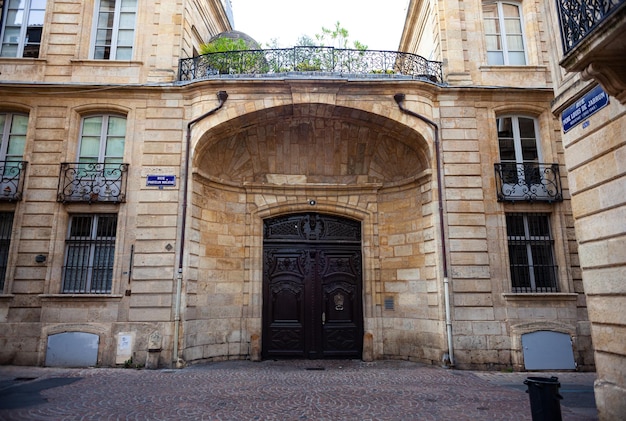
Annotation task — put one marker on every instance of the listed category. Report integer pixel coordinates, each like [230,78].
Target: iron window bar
[322,61]
[89,254]
[92,182]
[528,181]
[531,253]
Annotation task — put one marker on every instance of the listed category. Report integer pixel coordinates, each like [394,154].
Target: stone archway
[277,162]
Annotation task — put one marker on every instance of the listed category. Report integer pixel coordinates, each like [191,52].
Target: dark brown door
[312,305]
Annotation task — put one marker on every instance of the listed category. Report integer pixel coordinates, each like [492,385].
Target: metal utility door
[312,303]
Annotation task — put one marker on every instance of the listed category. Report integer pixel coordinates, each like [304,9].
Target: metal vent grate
[390,303]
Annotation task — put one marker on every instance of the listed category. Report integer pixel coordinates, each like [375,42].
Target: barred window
[531,253]
[89,254]
[6,224]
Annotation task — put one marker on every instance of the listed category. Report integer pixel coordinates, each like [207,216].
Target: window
[114,29]
[531,252]
[6,224]
[503,33]
[22,24]
[102,140]
[13,131]
[89,254]
[521,169]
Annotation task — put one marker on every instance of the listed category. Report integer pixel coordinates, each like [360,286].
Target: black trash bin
[545,400]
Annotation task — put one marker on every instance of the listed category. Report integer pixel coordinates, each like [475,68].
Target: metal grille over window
[89,254]
[531,253]
[6,223]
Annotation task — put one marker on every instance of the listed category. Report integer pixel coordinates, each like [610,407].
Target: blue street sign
[161,180]
[589,104]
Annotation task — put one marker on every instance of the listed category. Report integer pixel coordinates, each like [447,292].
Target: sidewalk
[281,390]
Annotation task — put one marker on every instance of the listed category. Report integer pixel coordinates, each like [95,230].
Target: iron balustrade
[529,181]
[92,182]
[578,18]
[12,183]
[323,61]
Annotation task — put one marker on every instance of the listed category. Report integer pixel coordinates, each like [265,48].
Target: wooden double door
[312,287]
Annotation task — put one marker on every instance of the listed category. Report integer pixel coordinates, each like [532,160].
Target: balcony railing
[12,183]
[92,182]
[578,18]
[318,61]
[530,182]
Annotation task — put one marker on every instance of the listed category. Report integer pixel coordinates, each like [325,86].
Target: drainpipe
[399,98]
[222,96]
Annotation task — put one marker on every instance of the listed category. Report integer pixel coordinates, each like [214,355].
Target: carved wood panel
[312,276]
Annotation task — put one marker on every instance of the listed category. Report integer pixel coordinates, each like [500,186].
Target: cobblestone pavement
[280,390]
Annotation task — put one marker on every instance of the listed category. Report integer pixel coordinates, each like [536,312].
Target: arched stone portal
[302,158]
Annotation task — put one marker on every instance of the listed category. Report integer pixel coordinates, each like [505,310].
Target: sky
[375,23]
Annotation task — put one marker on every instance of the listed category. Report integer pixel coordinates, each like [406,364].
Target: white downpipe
[179,287]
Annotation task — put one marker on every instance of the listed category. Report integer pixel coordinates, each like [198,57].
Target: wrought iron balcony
[529,181]
[92,182]
[319,61]
[12,184]
[578,18]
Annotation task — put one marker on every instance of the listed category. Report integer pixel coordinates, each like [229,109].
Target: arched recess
[318,143]
[298,158]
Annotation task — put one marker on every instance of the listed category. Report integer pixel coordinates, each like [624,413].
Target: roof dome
[250,42]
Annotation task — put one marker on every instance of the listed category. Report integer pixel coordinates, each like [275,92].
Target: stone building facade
[174,220]
[589,62]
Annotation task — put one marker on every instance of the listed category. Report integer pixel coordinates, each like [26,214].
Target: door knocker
[338,302]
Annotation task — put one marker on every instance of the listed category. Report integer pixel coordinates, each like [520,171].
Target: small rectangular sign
[589,104]
[161,180]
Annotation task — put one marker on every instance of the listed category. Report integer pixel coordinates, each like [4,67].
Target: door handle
[323,318]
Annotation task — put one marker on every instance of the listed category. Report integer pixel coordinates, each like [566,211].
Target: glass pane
[129,5]
[19,124]
[515,225]
[33,34]
[125,38]
[513,26]
[127,20]
[35,17]
[493,43]
[9,50]
[510,10]
[515,43]
[81,227]
[529,150]
[495,58]
[3,118]
[538,226]
[124,53]
[115,147]
[92,126]
[526,127]
[90,147]
[104,36]
[517,59]
[105,20]
[102,53]
[107,226]
[38,4]
[16,146]
[116,126]
[491,26]
[11,34]
[490,10]
[15,17]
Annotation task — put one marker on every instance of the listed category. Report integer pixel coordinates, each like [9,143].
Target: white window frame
[505,52]
[114,42]
[11,164]
[22,41]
